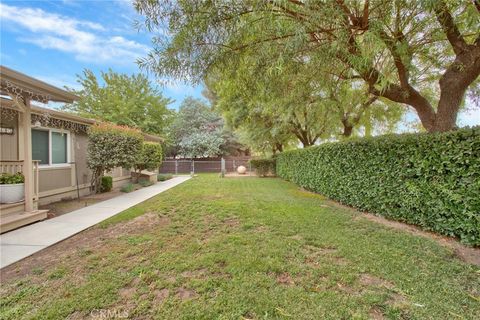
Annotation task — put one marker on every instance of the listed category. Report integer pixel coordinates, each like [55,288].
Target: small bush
[9,178]
[263,166]
[431,180]
[150,157]
[129,187]
[145,183]
[107,184]
[164,176]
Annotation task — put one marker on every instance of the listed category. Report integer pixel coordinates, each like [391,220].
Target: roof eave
[28,83]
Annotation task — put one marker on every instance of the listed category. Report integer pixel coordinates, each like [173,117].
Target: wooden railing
[14,166]
[7,166]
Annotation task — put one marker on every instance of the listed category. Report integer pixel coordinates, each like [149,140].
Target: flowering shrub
[111,146]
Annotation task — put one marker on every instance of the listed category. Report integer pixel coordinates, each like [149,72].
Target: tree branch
[450,28]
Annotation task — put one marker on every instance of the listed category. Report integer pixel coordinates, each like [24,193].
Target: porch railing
[7,166]
[14,166]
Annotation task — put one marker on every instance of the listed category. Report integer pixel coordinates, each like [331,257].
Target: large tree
[298,103]
[423,54]
[198,131]
[122,99]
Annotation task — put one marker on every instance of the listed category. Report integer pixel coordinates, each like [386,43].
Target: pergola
[22,89]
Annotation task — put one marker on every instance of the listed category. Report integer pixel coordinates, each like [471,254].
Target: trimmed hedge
[263,166]
[431,180]
[107,184]
[150,157]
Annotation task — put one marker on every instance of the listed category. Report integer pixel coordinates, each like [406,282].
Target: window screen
[40,146]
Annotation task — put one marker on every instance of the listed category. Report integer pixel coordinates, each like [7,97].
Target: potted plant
[11,187]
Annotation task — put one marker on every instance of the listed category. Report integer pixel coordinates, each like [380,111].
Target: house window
[50,146]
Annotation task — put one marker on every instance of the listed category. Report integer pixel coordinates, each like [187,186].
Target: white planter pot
[11,193]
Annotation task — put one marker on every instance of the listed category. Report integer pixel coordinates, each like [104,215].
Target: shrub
[431,180]
[129,187]
[107,184]
[263,166]
[145,183]
[164,177]
[111,146]
[11,178]
[150,157]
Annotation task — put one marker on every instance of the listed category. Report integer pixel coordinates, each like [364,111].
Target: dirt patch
[396,299]
[195,274]
[238,175]
[185,294]
[75,249]
[376,314]
[171,279]
[344,288]
[320,250]
[369,280]
[59,208]
[261,229]
[231,222]
[285,279]
[127,293]
[160,295]
[339,261]
[314,255]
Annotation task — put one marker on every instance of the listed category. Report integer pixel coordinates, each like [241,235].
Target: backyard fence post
[176,166]
[193,166]
[249,168]
[223,165]
[234,166]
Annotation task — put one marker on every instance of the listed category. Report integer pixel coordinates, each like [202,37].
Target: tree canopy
[122,99]
[198,131]
[421,54]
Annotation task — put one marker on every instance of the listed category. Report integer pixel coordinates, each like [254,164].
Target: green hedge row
[431,180]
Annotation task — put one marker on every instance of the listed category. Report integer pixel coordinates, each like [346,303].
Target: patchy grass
[242,248]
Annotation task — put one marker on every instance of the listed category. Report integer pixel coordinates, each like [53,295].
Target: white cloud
[85,39]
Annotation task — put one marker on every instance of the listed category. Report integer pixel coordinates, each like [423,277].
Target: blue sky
[55,40]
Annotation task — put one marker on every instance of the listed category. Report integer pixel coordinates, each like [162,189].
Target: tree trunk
[279,147]
[453,85]
[347,130]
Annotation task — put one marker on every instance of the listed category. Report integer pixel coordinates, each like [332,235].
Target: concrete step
[14,221]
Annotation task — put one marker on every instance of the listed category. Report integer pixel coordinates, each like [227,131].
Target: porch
[21,90]
[14,215]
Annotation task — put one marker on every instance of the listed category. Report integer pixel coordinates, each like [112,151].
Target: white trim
[50,164]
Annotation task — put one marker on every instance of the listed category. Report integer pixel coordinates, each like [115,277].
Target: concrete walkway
[23,242]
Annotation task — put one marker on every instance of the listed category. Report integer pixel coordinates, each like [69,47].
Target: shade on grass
[252,248]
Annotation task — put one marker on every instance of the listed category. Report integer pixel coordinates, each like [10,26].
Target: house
[48,146]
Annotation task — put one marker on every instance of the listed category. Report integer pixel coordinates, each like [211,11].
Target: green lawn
[244,248]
